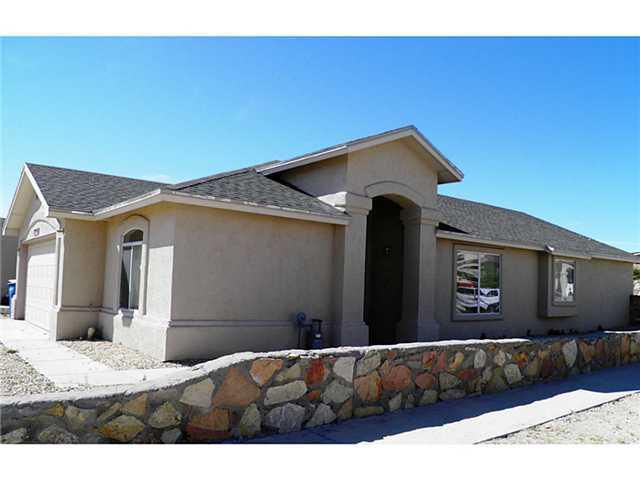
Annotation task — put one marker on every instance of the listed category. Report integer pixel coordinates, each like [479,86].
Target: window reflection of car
[565,292]
[490,299]
[466,298]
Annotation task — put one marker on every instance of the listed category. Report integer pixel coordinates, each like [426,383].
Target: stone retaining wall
[248,394]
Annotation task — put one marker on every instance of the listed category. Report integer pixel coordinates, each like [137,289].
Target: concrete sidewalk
[481,418]
[63,366]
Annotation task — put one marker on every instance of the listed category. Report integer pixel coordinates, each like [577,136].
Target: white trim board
[159,195]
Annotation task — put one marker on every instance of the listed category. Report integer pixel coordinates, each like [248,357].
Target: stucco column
[57,286]
[17,313]
[350,250]
[419,280]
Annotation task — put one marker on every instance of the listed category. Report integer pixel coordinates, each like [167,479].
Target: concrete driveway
[481,418]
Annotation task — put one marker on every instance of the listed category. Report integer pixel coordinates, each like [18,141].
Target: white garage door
[40,283]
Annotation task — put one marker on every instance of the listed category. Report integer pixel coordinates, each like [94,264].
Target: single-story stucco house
[355,234]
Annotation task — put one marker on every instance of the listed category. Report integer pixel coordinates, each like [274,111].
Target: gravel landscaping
[17,377]
[615,422]
[119,357]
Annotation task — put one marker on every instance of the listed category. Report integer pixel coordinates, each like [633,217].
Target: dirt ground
[615,422]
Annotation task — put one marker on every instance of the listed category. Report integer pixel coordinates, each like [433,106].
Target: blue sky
[547,126]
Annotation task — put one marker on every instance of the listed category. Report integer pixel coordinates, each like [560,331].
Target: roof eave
[166,195]
[25,175]
[304,160]
[449,173]
[469,238]
[250,207]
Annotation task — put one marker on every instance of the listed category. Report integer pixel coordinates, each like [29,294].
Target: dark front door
[383,274]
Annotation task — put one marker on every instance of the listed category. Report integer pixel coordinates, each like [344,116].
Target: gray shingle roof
[77,190]
[249,186]
[501,224]
[81,191]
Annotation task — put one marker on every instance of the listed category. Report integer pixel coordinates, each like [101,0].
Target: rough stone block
[570,352]
[343,368]
[251,422]
[480,359]
[18,435]
[287,418]
[369,387]
[322,415]
[264,368]
[426,381]
[397,379]
[512,373]
[336,393]
[55,434]
[448,381]
[236,391]
[428,397]
[285,393]
[136,406]
[213,426]
[123,428]
[395,403]
[165,416]
[368,363]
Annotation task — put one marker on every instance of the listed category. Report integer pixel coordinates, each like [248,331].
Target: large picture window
[130,270]
[477,283]
[564,281]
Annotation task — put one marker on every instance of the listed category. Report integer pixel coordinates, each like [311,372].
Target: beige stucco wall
[220,281]
[602,291]
[8,253]
[319,179]
[81,260]
[83,267]
[160,241]
[146,331]
[606,291]
[403,173]
[394,162]
[36,224]
[248,275]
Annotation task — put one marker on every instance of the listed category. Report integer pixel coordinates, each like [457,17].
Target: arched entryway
[384,266]
[394,264]
[363,281]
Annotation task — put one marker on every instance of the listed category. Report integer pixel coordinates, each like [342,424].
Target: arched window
[130,270]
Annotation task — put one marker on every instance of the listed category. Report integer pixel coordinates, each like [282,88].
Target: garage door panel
[40,283]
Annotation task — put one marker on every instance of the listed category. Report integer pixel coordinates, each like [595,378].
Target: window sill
[478,318]
[127,313]
[564,304]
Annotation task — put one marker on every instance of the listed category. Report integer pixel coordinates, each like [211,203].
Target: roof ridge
[95,173]
[208,178]
[349,142]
